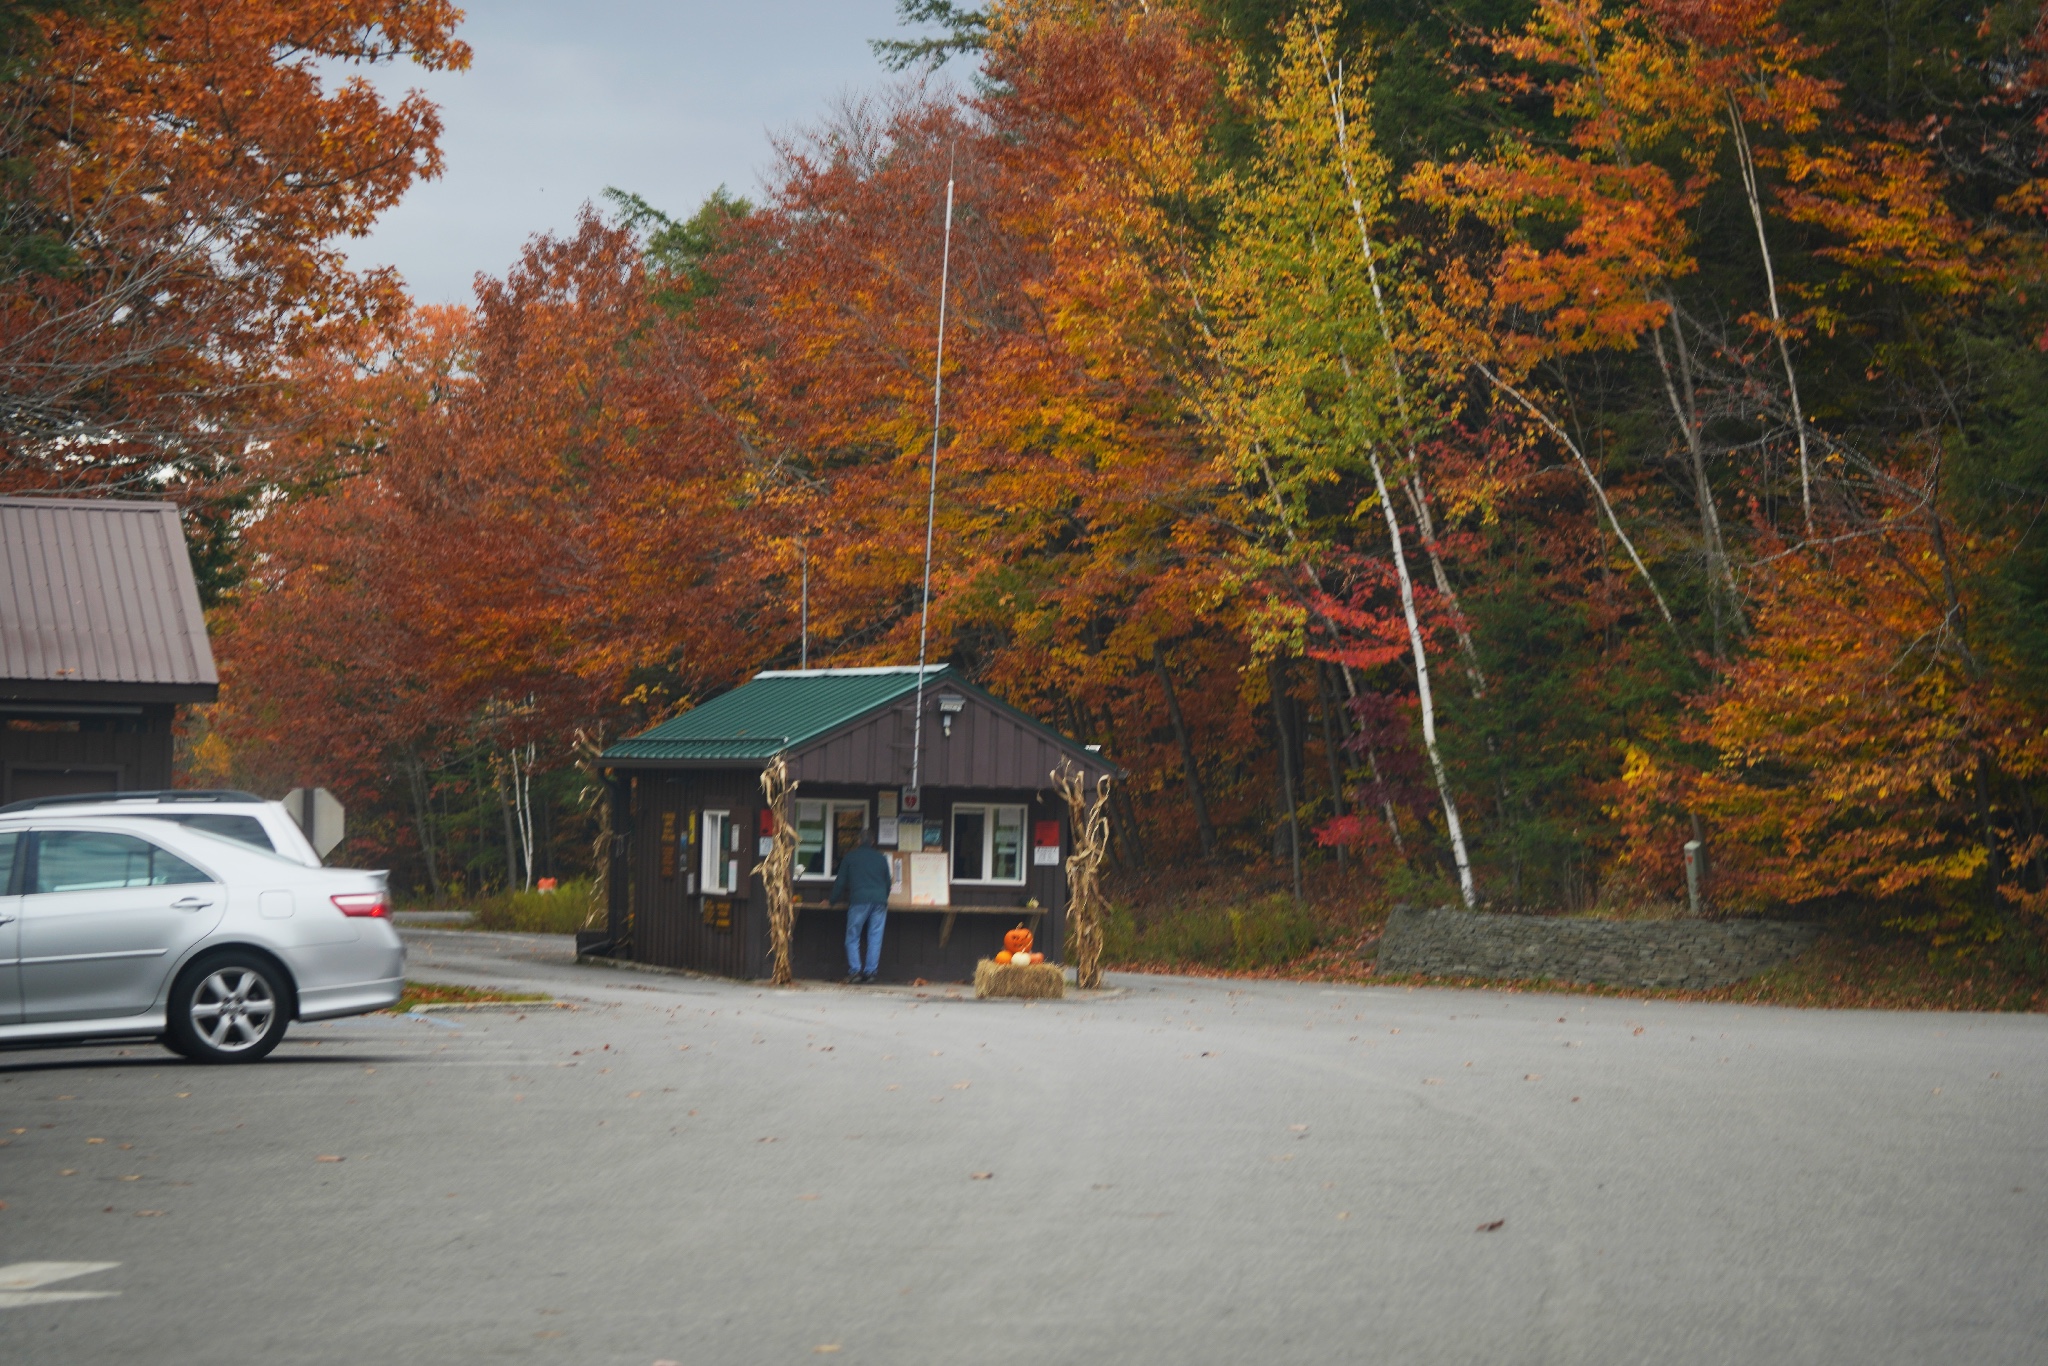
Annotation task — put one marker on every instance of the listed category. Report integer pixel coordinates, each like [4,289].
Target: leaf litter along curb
[449,994]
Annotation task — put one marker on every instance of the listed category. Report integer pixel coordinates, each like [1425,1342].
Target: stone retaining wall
[1690,954]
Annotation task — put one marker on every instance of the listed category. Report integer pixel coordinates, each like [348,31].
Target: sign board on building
[919,880]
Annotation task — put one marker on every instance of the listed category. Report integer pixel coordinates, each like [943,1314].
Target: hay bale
[1036,981]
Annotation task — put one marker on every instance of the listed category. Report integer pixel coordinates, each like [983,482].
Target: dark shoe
[868,977]
[852,979]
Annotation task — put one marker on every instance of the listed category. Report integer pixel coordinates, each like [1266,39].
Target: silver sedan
[125,927]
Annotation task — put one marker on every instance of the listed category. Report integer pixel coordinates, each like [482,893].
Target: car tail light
[362,903]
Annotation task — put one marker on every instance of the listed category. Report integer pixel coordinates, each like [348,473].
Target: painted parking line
[21,1284]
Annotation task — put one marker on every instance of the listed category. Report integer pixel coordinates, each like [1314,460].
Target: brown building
[978,845]
[101,637]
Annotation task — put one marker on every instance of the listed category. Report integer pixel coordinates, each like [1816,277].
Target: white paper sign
[1045,856]
[885,831]
[929,883]
[920,880]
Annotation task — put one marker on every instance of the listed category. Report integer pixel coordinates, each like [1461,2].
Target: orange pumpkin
[1004,956]
[1017,940]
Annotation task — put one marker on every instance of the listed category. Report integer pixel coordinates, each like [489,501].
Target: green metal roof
[772,712]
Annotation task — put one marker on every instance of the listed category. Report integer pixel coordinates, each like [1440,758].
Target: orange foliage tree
[179,177]
[1674,434]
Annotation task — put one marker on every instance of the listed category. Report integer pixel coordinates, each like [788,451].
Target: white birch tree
[1308,345]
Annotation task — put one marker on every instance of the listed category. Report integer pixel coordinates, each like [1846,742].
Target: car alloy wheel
[231,1010]
[227,1011]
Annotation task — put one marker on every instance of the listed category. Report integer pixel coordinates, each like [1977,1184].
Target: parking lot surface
[675,1169]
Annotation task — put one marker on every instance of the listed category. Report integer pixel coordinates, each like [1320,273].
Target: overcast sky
[668,98]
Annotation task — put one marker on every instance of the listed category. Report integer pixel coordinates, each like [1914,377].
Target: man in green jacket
[864,882]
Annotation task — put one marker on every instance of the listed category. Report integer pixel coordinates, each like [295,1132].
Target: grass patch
[1230,920]
[1263,932]
[441,993]
[563,911]
[1879,971]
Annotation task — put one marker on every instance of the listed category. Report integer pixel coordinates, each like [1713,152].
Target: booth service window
[988,844]
[825,831]
[721,869]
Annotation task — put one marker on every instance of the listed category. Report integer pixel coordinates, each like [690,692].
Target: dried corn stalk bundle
[595,795]
[775,869]
[1090,820]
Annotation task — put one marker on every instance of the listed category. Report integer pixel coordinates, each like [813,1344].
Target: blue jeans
[866,916]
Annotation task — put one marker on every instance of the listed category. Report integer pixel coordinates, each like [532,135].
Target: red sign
[1046,834]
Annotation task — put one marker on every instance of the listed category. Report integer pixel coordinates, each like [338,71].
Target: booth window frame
[990,813]
[827,848]
[719,869]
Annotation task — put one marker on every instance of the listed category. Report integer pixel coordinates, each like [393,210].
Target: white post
[931,509]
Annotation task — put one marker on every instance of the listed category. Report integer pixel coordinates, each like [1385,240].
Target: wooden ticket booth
[977,847]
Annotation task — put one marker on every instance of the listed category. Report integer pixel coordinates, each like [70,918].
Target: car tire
[228,1007]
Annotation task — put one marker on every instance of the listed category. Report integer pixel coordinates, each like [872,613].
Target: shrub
[563,911]
[1261,932]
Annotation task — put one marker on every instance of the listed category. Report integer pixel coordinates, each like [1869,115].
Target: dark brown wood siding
[670,927]
[986,749]
[116,754]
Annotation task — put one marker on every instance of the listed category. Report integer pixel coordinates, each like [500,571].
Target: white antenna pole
[931,506]
[803,553]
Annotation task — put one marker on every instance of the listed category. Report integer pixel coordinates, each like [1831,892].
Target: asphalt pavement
[690,1171]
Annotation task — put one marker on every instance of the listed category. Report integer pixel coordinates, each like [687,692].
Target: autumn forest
[1467,449]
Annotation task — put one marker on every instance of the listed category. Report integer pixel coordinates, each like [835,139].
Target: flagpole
[931,507]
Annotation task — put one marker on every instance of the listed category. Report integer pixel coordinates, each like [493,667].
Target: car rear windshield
[245,829]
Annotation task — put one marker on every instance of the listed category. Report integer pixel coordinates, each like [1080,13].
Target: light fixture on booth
[950,706]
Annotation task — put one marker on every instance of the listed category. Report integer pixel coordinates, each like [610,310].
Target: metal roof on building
[853,725]
[774,711]
[98,602]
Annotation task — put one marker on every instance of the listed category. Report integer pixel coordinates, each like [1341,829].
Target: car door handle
[191,903]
